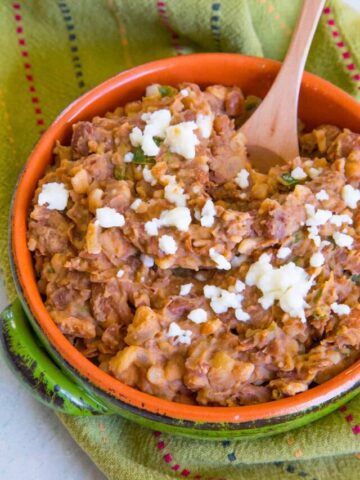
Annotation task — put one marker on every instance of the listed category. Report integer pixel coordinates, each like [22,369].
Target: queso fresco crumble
[181,271]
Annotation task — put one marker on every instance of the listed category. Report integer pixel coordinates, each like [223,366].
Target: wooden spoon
[271,132]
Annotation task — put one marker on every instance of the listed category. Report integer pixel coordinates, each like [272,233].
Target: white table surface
[33,443]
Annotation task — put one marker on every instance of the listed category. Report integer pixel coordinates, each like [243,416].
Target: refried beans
[181,271]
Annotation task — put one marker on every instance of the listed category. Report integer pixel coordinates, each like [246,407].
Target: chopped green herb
[120,172]
[166,91]
[331,240]
[318,295]
[356,279]
[299,235]
[140,158]
[251,103]
[319,316]
[158,141]
[288,180]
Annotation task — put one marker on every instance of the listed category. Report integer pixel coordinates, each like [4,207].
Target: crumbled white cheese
[128,157]
[322,195]
[242,178]
[183,336]
[343,240]
[109,217]
[325,243]
[152,90]
[318,217]
[208,213]
[199,315]
[350,195]
[288,284]
[239,286]
[314,172]
[149,146]
[185,289]
[317,259]
[204,123]
[167,244]
[283,252]
[338,220]
[147,261]
[135,137]
[148,176]
[241,315]
[298,173]
[156,122]
[182,140]
[221,300]
[340,308]
[55,195]
[173,192]
[178,217]
[238,260]
[314,235]
[120,273]
[184,92]
[151,227]
[136,204]
[196,189]
[221,262]
[156,125]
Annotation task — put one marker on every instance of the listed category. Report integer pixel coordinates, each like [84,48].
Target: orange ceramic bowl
[320,102]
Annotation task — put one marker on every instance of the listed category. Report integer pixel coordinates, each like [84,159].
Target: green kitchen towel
[51,52]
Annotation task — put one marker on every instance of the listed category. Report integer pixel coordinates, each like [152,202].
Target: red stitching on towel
[349,417]
[28,68]
[174,37]
[331,23]
[169,460]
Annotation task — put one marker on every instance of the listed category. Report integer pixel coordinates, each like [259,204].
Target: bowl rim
[24,275]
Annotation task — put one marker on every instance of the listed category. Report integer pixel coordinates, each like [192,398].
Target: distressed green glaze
[37,371]
[71,394]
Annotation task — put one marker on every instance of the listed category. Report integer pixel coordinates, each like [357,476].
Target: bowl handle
[31,363]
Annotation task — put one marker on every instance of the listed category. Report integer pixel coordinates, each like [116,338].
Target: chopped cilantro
[166,91]
[299,235]
[288,180]
[120,172]
[318,296]
[158,141]
[251,103]
[331,240]
[140,158]
[356,279]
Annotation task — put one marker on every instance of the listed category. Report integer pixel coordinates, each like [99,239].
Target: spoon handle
[274,123]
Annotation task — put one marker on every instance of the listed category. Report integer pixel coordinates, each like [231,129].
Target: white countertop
[33,443]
